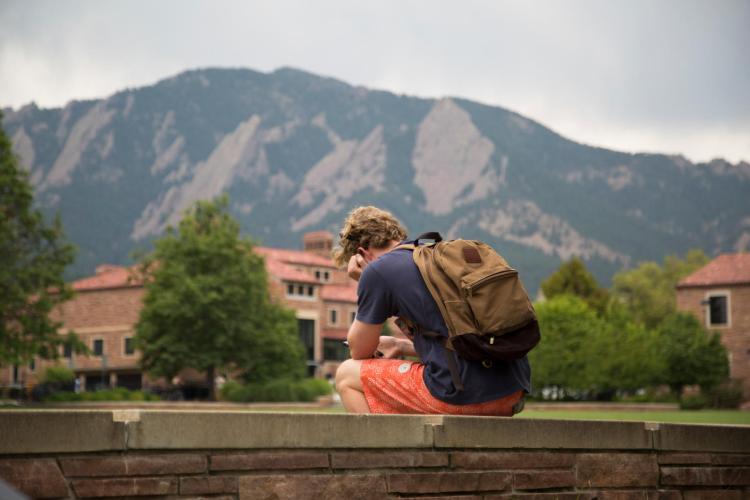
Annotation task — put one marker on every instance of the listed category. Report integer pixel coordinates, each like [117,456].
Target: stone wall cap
[48,431]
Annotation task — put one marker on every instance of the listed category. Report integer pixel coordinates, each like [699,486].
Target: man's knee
[347,374]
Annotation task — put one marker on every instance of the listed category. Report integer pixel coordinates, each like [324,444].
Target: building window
[98,347]
[718,310]
[322,276]
[334,350]
[333,315]
[297,290]
[32,365]
[129,346]
[67,351]
[307,337]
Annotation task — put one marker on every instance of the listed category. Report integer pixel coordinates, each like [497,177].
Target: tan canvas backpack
[481,298]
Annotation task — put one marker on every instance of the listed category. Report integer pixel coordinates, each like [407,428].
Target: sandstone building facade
[106,307]
[718,294]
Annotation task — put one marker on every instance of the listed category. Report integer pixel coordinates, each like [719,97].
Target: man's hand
[392,347]
[389,347]
[355,267]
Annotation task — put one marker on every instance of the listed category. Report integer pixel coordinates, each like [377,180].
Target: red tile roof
[295,257]
[278,262]
[340,293]
[317,234]
[285,272]
[108,276]
[727,269]
[334,333]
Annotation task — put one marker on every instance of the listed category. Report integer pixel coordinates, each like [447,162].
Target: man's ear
[366,254]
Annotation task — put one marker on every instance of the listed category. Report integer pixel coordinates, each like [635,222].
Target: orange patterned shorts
[397,386]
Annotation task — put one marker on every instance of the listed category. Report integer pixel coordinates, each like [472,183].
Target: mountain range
[296,151]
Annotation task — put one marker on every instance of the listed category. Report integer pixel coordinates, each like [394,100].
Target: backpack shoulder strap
[411,245]
[433,235]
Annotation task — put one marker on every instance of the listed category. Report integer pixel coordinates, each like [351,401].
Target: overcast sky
[666,76]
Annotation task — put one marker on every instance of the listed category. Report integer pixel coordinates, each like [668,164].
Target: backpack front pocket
[497,300]
[460,316]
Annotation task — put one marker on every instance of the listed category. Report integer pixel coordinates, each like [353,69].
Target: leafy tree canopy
[561,359]
[573,278]
[691,354]
[648,291]
[207,305]
[33,257]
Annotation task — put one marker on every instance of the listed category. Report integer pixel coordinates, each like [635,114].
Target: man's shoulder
[393,266]
[393,259]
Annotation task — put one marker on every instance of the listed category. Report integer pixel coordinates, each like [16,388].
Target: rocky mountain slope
[296,151]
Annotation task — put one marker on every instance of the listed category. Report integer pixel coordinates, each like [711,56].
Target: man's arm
[393,347]
[363,339]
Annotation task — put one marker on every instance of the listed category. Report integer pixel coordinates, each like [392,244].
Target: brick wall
[735,336]
[109,315]
[360,474]
[249,455]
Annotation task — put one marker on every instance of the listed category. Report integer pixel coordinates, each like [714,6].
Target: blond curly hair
[367,227]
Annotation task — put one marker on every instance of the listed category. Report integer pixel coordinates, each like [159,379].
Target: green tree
[590,355]
[33,257]
[623,355]
[207,305]
[560,360]
[573,278]
[648,291]
[691,354]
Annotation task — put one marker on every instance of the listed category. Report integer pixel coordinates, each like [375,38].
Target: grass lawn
[733,417]
[730,417]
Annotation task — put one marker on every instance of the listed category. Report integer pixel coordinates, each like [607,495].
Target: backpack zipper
[500,274]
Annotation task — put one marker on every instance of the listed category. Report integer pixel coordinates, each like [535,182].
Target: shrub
[694,402]
[117,394]
[319,386]
[276,391]
[726,395]
[58,374]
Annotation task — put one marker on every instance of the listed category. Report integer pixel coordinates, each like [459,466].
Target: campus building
[718,294]
[106,307]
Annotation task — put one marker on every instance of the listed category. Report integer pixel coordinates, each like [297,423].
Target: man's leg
[349,387]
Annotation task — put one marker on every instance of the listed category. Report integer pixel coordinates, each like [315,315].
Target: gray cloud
[667,76]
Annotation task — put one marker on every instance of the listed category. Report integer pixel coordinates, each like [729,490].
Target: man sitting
[390,284]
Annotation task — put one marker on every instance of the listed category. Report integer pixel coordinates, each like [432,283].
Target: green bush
[58,374]
[651,395]
[726,395]
[117,394]
[695,402]
[276,391]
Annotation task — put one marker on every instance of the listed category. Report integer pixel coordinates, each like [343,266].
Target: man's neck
[377,252]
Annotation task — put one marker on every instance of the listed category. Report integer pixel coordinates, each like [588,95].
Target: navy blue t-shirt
[392,286]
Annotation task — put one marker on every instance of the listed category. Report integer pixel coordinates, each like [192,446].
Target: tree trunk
[210,375]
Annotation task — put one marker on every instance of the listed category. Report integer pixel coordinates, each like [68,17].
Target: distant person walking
[390,284]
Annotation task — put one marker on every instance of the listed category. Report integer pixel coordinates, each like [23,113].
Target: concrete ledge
[682,437]
[178,430]
[40,431]
[482,432]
